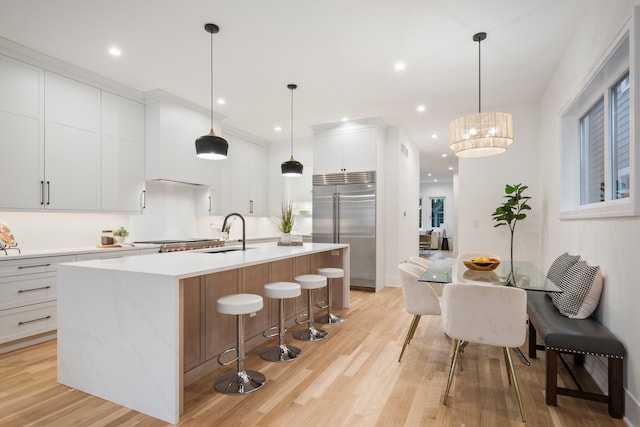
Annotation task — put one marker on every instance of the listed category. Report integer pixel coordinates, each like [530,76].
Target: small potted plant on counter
[120,235]
[286,223]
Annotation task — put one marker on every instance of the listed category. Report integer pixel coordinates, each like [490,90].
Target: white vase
[285,238]
[118,239]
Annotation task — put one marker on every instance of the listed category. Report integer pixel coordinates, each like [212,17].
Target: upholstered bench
[580,337]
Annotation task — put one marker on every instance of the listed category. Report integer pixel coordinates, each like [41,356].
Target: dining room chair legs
[410,332]
[511,375]
[515,384]
[454,360]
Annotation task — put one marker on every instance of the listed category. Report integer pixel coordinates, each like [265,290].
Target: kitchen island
[136,330]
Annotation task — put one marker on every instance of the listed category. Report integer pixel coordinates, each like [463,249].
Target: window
[437,211]
[596,146]
[592,155]
[620,136]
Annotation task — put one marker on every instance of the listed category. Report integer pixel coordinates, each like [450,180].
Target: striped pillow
[581,289]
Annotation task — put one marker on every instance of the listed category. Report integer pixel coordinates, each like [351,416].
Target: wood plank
[351,378]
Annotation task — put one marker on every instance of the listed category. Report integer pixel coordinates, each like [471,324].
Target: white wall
[481,183]
[402,189]
[609,243]
[290,188]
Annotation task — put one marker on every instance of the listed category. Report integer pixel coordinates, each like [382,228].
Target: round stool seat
[239,304]
[330,272]
[282,290]
[311,281]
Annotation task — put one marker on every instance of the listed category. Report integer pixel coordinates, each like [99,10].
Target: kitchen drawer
[15,267]
[27,289]
[23,322]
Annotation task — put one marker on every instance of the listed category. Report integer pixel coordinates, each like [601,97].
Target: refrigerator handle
[336,219]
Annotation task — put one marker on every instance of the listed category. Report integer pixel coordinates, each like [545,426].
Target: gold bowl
[482,266]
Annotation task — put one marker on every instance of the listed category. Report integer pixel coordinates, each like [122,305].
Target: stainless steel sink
[221,250]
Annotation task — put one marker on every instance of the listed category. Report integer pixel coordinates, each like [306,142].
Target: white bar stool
[281,352]
[330,273]
[310,282]
[241,381]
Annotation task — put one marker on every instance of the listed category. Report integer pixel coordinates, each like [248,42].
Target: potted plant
[120,235]
[227,229]
[286,222]
[509,213]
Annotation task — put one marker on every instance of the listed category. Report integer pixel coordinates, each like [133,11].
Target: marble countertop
[14,254]
[199,262]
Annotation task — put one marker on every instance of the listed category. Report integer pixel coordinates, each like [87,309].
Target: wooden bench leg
[532,340]
[616,390]
[552,377]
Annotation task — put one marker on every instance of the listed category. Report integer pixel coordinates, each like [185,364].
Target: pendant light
[211,146]
[482,134]
[291,167]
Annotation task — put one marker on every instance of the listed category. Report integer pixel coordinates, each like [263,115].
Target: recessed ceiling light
[428,174]
[435,180]
[451,168]
[434,136]
[421,108]
[345,119]
[115,51]
[399,66]
[278,128]
[444,155]
[221,101]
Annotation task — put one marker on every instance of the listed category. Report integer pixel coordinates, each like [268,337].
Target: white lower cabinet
[28,300]
[28,291]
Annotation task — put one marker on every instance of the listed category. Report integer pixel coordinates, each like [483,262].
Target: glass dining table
[527,277]
[453,270]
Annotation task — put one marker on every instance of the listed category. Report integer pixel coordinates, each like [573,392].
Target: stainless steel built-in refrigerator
[344,211]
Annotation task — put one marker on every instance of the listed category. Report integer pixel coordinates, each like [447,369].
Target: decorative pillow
[582,287]
[560,266]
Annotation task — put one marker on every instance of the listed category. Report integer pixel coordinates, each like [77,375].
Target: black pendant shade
[211,146]
[291,167]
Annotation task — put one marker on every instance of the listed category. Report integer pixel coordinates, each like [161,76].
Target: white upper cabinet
[21,134]
[122,155]
[170,153]
[244,183]
[68,145]
[72,144]
[347,147]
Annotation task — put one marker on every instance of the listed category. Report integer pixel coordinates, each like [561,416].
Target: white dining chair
[420,262]
[419,298]
[424,264]
[485,314]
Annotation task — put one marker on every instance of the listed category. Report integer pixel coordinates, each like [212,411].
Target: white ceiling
[341,53]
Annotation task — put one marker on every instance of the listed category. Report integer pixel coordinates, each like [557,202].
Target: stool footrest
[276,332]
[235,359]
[302,316]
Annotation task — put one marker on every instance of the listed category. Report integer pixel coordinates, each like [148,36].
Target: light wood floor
[352,378]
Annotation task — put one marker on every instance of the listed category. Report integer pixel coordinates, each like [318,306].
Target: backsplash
[169,214]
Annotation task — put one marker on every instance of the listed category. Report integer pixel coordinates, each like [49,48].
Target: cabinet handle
[21,291]
[250,206]
[144,199]
[48,192]
[42,192]
[20,267]
[209,204]
[34,320]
